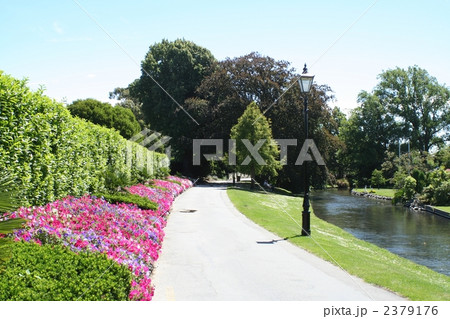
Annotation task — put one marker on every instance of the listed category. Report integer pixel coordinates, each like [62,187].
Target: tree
[128,102]
[377,178]
[171,72]
[253,129]
[234,83]
[419,103]
[104,114]
[367,135]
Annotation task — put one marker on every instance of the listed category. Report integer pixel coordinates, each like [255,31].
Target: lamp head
[305,81]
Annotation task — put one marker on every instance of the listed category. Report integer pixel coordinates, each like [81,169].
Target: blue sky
[55,44]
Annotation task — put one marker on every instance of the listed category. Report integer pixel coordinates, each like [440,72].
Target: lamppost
[305,82]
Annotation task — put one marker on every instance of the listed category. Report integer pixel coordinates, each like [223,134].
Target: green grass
[365,260]
[444,208]
[389,192]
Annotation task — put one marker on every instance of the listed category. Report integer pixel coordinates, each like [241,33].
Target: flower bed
[125,233]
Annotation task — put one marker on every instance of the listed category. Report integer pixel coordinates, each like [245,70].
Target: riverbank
[387,194]
[360,258]
[382,194]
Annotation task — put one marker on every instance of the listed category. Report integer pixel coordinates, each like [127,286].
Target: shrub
[141,202]
[343,183]
[55,273]
[407,192]
[420,177]
[438,192]
[442,194]
[409,187]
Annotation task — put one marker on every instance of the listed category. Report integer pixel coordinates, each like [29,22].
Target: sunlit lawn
[444,208]
[389,192]
[367,261]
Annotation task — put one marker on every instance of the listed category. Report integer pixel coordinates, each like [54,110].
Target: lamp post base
[306,231]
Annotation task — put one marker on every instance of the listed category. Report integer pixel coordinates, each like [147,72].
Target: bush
[438,191]
[55,154]
[128,198]
[55,273]
[343,183]
[442,194]
[407,192]
[409,187]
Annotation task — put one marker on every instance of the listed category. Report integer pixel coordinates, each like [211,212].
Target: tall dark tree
[223,96]
[420,104]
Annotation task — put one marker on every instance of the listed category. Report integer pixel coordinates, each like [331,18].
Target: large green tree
[420,104]
[104,114]
[171,72]
[256,151]
[367,135]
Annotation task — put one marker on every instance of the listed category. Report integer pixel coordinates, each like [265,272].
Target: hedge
[55,273]
[54,154]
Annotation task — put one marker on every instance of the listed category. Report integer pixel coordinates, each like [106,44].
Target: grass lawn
[367,261]
[444,208]
[389,192]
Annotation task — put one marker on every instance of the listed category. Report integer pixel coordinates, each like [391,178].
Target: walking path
[213,252]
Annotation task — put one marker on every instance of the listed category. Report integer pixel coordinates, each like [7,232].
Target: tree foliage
[419,103]
[377,178]
[171,71]
[367,135]
[223,95]
[254,127]
[104,114]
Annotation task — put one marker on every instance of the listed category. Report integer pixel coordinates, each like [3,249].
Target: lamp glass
[306,81]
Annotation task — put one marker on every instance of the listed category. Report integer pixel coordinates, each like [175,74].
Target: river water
[419,236]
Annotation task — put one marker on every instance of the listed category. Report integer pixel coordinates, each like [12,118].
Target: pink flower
[123,232]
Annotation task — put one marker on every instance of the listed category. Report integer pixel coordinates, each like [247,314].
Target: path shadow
[274,241]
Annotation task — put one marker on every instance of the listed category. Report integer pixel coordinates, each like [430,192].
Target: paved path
[213,253]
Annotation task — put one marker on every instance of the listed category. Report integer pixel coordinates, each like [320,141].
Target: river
[418,236]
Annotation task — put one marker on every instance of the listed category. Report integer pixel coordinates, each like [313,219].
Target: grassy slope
[360,258]
[382,191]
[444,208]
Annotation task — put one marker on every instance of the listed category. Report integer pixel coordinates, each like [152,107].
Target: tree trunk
[252,176]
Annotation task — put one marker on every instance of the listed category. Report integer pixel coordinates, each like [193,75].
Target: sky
[346,44]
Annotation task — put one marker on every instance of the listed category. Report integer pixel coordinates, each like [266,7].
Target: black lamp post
[305,82]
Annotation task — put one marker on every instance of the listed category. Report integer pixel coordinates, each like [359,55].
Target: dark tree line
[203,99]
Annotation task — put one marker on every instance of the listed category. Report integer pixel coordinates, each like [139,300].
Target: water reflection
[419,236]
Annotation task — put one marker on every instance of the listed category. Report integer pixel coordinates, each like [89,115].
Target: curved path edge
[213,252]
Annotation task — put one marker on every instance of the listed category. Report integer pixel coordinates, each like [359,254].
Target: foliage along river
[419,236]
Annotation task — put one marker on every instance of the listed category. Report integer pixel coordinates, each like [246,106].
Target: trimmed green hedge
[55,155]
[55,273]
[141,202]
